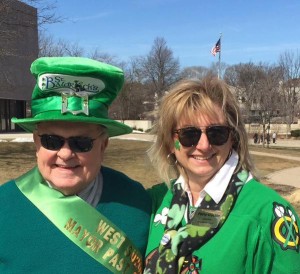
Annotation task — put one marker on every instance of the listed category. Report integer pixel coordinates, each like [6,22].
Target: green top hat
[74,89]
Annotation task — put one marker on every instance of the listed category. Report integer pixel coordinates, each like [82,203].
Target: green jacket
[259,236]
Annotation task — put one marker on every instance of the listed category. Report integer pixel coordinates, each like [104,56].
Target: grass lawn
[130,157]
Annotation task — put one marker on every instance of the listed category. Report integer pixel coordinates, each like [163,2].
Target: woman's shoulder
[257,199]
[260,191]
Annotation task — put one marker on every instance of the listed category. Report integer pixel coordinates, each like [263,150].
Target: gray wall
[18,48]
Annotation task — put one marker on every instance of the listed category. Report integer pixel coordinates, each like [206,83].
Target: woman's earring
[171,158]
[177,145]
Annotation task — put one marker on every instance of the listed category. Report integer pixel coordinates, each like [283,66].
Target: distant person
[261,138]
[215,216]
[274,137]
[255,138]
[70,214]
[268,138]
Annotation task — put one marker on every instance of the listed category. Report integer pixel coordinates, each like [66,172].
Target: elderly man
[70,214]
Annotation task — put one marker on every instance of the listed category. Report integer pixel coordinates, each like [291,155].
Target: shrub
[295,133]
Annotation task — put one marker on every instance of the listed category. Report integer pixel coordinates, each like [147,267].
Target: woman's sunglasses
[190,136]
[76,144]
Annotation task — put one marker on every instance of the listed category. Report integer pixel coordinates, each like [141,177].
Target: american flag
[216,48]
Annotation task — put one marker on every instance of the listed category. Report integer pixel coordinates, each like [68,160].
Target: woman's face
[203,160]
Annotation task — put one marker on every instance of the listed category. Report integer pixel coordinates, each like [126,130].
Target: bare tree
[269,97]
[104,57]
[215,67]
[257,89]
[147,78]
[46,11]
[196,72]
[131,103]
[136,69]
[244,78]
[49,47]
[160,68]
[290,84]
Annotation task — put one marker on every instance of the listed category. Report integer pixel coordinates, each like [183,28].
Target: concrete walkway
[290,176]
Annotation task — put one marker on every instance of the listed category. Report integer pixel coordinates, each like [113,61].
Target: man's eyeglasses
[190,136]
[76,143]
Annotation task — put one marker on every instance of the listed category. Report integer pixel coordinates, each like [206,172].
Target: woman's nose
[203,142]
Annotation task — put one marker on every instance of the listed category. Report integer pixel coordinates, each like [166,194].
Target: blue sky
[253,30]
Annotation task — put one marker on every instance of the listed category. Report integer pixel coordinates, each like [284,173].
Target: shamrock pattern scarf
[174,254]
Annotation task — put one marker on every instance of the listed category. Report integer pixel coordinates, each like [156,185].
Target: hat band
[54,103]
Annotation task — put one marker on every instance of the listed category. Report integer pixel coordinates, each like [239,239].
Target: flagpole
[219,65]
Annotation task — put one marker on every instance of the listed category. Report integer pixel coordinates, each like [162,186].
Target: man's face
[68,171]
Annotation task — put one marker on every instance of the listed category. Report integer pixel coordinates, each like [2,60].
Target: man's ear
[35,137]
[104,144]
[36,141]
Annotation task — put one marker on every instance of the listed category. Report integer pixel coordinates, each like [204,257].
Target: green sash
[83,225]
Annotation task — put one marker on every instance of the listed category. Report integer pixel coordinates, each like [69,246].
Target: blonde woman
[215,216]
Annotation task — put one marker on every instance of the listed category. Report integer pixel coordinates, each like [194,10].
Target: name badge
[207,218]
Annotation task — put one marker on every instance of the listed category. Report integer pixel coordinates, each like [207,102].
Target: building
[18,48]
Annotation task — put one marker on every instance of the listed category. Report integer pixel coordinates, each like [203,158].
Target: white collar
[217,186]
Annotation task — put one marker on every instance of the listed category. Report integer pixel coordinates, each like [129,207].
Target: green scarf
[174,254]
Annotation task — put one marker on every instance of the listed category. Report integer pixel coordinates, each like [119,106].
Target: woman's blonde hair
[184,99]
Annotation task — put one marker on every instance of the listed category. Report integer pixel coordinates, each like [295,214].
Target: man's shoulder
[7,188]
[10,197]
[117,179]
[108,172]
[119,186]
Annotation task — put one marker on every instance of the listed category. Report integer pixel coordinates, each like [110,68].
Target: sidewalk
[290,176]
[16,137]
[279,143]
